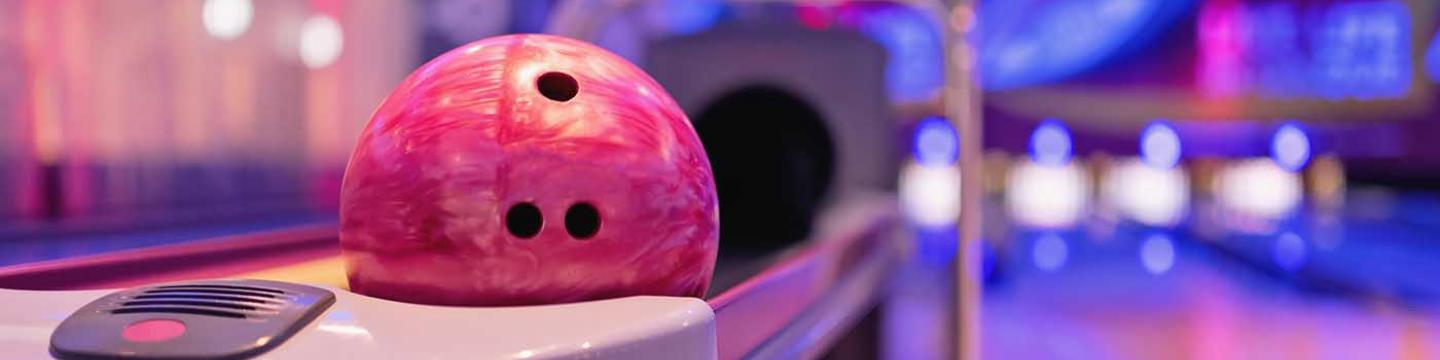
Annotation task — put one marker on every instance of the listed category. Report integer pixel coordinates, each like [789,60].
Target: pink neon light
[814,17]
[1223,33]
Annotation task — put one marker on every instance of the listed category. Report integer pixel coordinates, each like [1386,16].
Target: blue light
[936,143]
[1345,50]
[915,68]
[1033,42]
[1160,145]
[1050,143]
[1432,58]
[1050,252]
[937,245]
[1362,51]
[683,16]
[1289,252]
[1280,70]
[1157,254]
[987,259]
[1290,147]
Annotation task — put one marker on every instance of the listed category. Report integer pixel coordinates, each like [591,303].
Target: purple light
[1290,147]
[1160,145]
[1050,143]
[1157,254]
[1049,252]
[1336,51]
[1289,252]
[935,143]
[1031,42]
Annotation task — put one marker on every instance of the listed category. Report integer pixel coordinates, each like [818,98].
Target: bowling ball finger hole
[524,220]
[582,221]
[557,86]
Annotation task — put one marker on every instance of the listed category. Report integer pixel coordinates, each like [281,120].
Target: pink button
[153,330]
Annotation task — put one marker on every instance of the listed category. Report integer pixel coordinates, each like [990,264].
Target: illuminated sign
[1278,50]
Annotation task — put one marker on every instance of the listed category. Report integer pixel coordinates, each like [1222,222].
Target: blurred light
[226,19]
[1290,147]
[346,330]
[931,195]
[1289,251]
[1157,254]
[1050,252]
[815,17]
[1334,51]
[682,16]
[1220,49]
[320,41]
[1050,143]
[936,143]
[1047,196]
[1362,51]
[1326,182]
[1160,145]
[1432,58]
[1032,42]
[1149,195]
[912,40]
[1260,188]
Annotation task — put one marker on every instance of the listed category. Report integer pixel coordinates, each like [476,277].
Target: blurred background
[1152,179]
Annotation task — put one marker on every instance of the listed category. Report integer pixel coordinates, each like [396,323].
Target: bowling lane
[1380,246]
[1143,292]
[27,243]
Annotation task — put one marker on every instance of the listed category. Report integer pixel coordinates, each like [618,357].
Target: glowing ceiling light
[1157,254]
[913,42]
[1034,42]
[226,19]
[1290,147]
[1260,188]
[1250,48]
[936,143]
[321,41]
[1147,194]
[931,195]
[1049,252]
[1050,143]
[1047,196]
[1160,145]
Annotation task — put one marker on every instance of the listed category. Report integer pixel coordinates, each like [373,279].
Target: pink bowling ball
[523,170]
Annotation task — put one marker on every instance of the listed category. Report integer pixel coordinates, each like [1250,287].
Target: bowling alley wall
[171,111]
[184,111]
[1356,76]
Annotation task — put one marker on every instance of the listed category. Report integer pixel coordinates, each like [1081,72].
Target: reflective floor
[1359,282]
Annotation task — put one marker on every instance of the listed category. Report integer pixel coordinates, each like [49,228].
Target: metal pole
[961,99]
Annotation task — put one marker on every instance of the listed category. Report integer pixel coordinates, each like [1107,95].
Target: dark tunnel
[774,162]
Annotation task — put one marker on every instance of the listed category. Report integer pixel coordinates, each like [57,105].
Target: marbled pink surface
[468,135]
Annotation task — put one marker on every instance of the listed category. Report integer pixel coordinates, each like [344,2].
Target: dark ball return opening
[774,163]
